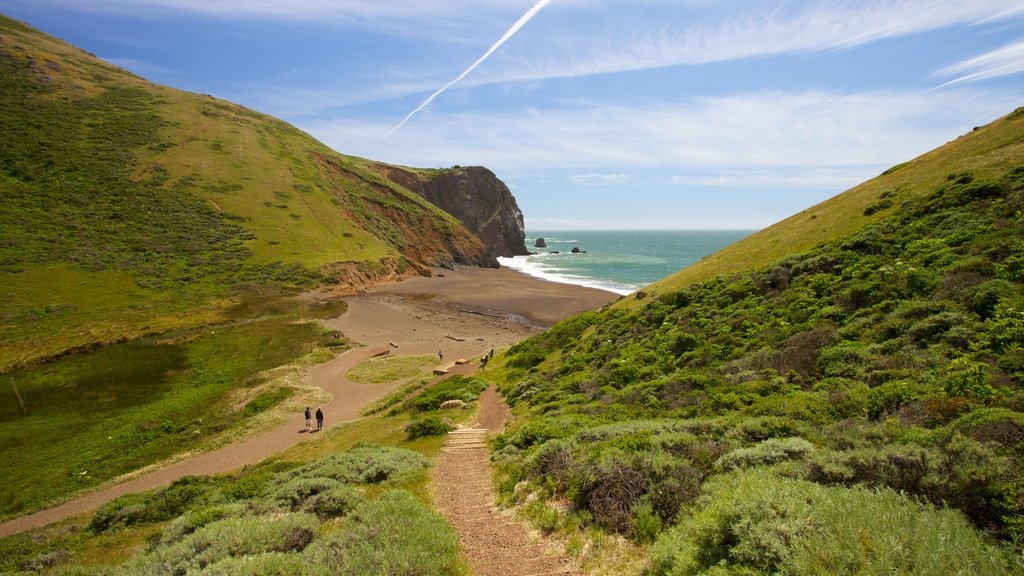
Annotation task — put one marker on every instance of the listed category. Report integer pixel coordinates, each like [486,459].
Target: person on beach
[440,356]
[309,419]
[319,419]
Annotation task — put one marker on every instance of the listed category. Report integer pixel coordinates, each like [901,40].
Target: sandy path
[463,313]
[494,542]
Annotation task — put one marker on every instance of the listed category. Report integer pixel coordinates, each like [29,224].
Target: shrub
[295,491]
[770,451]
[756,523]
[646,524]
[231,537]
[196,518]
[888,397]
[152,506]
[454,388]
[427,426]
[365,464]
[266,564]
[396,535]
[332,503]
[613,491]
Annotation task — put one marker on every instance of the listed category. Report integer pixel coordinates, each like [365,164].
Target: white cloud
[671,36]
[407,15]
[594,179]
[754,131]
[783,177]
[1004,61]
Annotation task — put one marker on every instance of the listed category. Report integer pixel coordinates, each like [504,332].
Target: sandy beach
[463,313]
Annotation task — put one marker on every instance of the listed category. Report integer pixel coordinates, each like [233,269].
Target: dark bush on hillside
[427,426]
[454,388]
[151,506]
[612,492]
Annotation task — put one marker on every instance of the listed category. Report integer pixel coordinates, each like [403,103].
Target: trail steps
[494,543]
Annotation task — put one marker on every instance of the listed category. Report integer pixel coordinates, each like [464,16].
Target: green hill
[984,153]
[152,244]
[842,393]
[132,208]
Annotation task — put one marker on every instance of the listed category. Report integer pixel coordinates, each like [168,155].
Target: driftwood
[488,314]
[456,338]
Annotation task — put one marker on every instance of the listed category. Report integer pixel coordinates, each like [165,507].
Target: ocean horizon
[620,261]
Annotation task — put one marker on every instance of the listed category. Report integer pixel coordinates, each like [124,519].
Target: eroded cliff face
[477,198]
[387,213]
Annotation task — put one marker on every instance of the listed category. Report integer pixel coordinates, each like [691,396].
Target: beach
[462,313]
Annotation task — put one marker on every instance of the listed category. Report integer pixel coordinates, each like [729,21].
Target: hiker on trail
[319,419]
[309,419]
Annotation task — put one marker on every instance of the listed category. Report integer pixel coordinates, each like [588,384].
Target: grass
[91,417]
[355,496]
[390,368]
[132,208]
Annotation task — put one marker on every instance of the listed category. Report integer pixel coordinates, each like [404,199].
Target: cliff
[476,197]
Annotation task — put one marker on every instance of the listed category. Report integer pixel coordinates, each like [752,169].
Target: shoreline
[505,291]
[533,271]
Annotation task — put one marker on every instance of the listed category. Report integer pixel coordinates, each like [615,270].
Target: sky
[598,114]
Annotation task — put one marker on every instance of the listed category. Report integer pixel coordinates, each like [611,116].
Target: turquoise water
[620,261]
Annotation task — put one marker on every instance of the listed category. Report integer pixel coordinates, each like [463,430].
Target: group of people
[319,419]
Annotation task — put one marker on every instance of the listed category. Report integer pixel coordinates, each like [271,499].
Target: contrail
[511,32]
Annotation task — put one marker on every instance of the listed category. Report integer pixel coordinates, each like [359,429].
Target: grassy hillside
[985,153]
[131,208]
[151,244]
[852,406]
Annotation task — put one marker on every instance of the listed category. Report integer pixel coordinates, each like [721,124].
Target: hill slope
[986,153]
[152,243]
[131,208]
[854,405]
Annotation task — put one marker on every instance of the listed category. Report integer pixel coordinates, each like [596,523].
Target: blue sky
[598,114]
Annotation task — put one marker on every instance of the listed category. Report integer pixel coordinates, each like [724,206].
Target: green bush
[766,453]
[152,506]
[454,388]
[646,524]
[227,538]
[265,564]
[196,518]
[756,523]
[396,535]
[427,426]
[365,464]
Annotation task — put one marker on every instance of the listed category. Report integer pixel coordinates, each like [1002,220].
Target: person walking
[319,419]
[440,356]
[309,419]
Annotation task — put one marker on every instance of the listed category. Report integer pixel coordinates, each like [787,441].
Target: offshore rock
[540,243]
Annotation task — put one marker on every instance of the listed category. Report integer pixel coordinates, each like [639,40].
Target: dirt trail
[379,325]
[495,543]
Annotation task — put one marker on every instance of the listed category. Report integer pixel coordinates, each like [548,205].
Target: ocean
[620,261]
